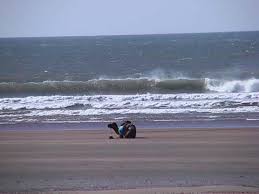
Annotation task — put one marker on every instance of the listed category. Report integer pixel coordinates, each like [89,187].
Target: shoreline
[218,189]
[158,160]
[145,124]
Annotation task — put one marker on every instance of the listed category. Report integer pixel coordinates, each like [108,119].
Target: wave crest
[103,86]
[250,85]
[129,86]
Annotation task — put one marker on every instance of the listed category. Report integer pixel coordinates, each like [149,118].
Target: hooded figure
[125,130]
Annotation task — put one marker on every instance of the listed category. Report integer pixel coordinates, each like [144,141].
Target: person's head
[112,125]
[127,122]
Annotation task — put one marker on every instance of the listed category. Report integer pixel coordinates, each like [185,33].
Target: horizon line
[144,34]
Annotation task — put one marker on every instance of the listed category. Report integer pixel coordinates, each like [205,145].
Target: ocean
[172,80]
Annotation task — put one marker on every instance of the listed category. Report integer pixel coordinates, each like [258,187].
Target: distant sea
[173,80]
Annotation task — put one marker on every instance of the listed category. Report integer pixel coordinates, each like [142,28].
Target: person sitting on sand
[126,129]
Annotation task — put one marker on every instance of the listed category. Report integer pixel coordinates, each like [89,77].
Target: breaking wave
[250,85]
[129,86]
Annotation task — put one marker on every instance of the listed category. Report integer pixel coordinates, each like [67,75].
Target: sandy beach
[157,161]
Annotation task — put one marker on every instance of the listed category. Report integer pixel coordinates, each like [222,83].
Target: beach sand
[157,161]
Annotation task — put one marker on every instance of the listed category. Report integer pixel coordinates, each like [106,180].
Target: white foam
[131,104]
[249,85]
[252,119]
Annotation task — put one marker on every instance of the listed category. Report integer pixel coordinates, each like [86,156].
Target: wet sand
[158,160]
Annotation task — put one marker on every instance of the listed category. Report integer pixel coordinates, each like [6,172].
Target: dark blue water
[212,55]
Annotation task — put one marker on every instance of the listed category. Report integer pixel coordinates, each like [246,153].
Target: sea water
[186,78]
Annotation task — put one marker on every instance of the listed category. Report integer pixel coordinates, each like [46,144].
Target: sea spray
[249,85]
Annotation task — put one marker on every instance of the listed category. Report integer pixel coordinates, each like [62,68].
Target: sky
[29,18]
